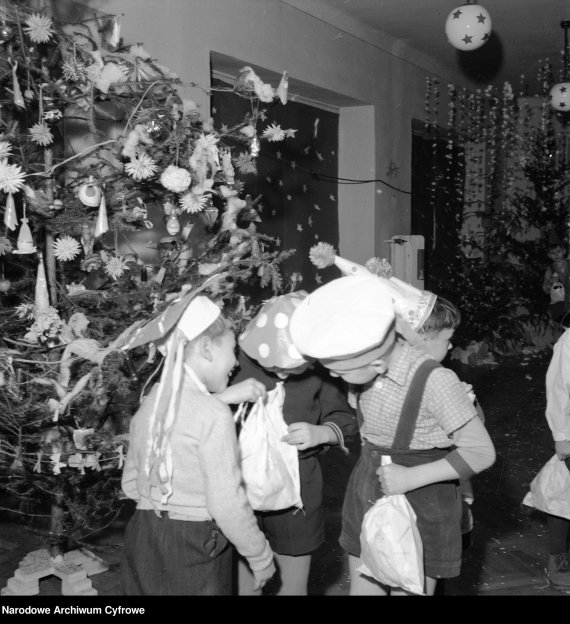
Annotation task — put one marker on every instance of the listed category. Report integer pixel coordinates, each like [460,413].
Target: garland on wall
[117,197]
[512,191]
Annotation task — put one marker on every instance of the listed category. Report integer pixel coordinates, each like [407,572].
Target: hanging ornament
[25,241]
[283,88]
[18,97]
[10,217]
[6,32]
[87,238]
[210,215]
[254,147]
[173,225]
[42,296]
[468,27]
[116,34]
[89,193]
[560,92]
[102,224]
[186,230]
[5,285]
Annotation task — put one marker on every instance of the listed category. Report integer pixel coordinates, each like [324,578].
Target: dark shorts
[437,507]
[164,557]
[298,531]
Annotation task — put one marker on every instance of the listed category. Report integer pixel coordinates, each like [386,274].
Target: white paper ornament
[89,193]
[283,87]
[42,296]
[25,241]
[17,92]
[173,225]
[102,224]
[468,27]
[10,217]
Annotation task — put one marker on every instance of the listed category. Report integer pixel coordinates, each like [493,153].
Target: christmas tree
[118,198]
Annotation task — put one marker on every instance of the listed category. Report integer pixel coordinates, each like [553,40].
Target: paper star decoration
[392,170]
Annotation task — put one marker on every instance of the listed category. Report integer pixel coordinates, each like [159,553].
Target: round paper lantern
[560,97]
[468,27]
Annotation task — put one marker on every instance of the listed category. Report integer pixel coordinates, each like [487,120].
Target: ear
[205,348]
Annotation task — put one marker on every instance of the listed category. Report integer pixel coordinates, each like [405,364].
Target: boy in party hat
[183,466]
[318,416]
[413,409]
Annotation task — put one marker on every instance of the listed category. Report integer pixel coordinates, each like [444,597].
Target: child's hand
[247,390]
[261,577]
[395,479]
[304,436]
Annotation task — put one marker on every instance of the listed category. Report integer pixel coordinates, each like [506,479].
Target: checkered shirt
[445,406]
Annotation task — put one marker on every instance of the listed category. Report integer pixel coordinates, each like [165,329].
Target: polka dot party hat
[267,338]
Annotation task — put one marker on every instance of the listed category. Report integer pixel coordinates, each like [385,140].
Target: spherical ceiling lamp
[468,27]
[560,92]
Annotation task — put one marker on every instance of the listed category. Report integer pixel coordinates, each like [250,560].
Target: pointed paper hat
[412,304]
[267,337]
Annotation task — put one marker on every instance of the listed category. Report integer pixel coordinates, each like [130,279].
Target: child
[434,338]
[556,281]
[318,416]
[182,468]
[349,325]
[558,418]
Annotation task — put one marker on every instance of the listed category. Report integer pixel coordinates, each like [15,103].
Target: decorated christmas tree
[118,197]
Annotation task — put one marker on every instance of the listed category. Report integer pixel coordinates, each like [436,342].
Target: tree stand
[73,568]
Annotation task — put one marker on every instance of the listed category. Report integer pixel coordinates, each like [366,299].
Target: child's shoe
[558,572]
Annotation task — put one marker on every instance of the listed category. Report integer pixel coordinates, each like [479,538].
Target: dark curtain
[296,179]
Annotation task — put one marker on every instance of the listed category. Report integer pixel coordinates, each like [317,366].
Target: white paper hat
[267,337]
[200,313]
[345,318]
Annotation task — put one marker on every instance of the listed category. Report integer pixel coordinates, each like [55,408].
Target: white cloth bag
[550,489]
[391,545]
[270,467]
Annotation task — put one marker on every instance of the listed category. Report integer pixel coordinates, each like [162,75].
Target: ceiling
[524,34]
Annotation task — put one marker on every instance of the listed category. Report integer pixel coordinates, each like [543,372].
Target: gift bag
[391,545]
[270,467]
[550,489]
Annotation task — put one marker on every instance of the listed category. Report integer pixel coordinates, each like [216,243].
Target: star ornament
[468,27]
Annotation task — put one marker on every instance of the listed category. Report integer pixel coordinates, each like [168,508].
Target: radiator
[407,259]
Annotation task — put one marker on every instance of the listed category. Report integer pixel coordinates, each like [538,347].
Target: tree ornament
[5,285]
[87,238]
[25,241]
[468,27]
[102,224]
[42,297]
[89,193]
[10,217]
[6,32]
[283,87]
[173,225]
[18,97]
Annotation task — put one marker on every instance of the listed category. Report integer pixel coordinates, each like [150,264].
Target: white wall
[278,36]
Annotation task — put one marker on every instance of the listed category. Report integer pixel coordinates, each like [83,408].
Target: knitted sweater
[207,482]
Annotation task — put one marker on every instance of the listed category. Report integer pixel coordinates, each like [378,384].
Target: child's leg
[558,529]
[294,573]
[361,585]
[245,580]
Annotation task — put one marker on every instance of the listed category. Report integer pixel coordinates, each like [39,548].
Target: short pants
[437,507]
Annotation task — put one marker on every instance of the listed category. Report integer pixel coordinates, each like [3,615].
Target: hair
[444,315]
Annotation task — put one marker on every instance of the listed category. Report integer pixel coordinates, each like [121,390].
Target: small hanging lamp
[560,92]
[468,26]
